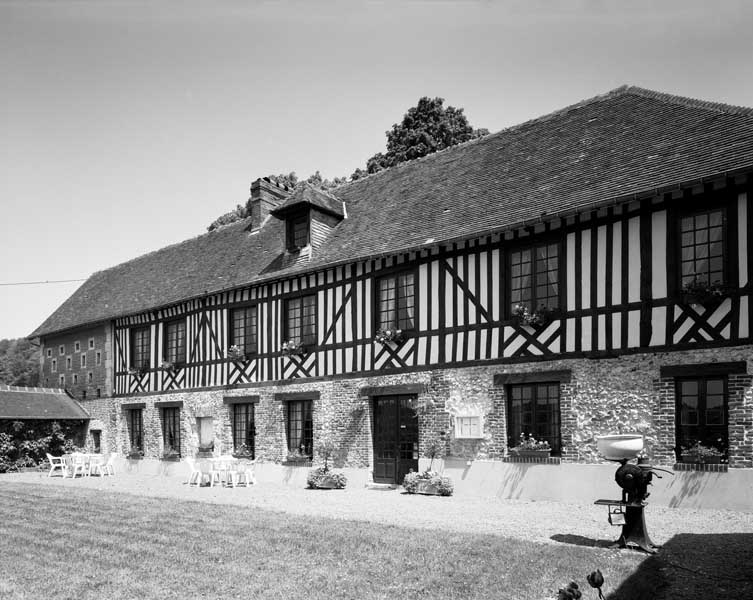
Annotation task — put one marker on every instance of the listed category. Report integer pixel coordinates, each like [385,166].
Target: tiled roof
[622,143]
[306,194]
[38,403]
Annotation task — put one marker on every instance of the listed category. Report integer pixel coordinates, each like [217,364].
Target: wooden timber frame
[619,293]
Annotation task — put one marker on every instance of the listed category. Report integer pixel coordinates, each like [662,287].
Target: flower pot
[533,453]
[700,460]
[427,488]
[327,483]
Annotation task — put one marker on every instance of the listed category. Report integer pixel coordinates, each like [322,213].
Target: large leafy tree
[425,128]
[19,362]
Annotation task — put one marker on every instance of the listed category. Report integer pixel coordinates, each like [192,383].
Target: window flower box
[135,454]
[529,446]
[236,353]
[700,292]
[390,336]
[171,367]
[699,453]
[532,453]
[292,348]
[138,371]
[541,317]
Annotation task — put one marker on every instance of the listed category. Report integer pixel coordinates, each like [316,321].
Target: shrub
[26,443]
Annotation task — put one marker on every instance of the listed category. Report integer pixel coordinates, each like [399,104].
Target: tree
[19,362]
[425,128]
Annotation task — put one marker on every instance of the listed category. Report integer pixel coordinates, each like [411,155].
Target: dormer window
[298,231]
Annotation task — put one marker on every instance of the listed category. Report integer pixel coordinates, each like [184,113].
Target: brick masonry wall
[77,376]
[624,394]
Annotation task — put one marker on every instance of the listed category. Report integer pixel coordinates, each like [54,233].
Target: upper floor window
[297,231]
[77,346]
[68,363]
[83,361]
[175,342]
[140,341]
[54,365]
[534,410]
[396,302]
[61,350]
[702,248]
[243,332]
[62,381]
[98,358]
[49,352]
[300,321]
[534,277]
[91,343]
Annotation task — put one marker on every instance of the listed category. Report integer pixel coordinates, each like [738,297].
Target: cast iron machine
[634,480]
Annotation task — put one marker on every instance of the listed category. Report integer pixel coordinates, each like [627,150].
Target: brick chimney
[266,195]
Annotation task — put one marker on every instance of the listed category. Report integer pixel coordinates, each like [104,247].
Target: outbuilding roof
[38,403]
[627,142]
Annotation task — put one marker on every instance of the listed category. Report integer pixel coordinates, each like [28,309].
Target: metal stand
[630,516]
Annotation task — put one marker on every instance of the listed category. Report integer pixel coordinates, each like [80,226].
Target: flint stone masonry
[597,397]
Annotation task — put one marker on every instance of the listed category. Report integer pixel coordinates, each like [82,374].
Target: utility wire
[42,282]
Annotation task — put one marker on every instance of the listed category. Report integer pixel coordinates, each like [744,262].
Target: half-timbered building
[584,273]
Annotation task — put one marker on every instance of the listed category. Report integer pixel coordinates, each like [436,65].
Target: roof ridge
[30,390]
[690,102]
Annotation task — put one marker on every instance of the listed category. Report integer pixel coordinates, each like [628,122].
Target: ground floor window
[534,409]
[136,429]
[244,430]
[300,427]
[702,412]
[171,430]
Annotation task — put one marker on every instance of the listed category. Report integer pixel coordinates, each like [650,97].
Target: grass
[86,544]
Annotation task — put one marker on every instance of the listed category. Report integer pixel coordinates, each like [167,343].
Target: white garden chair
[194,478]
[109,467]
[56,462]
[79,465]
[96,465]
[243,475]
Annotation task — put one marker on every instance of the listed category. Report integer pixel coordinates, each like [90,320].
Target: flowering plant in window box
[699,291]
[700,453]
[292,347]
[135,454]
[171,454]
[390,336]
[540,317]
[243,451]
[298,457]
[138,371]
[171,367]
[530,446]
[235,352]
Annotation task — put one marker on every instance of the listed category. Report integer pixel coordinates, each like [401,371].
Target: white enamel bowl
[620,446]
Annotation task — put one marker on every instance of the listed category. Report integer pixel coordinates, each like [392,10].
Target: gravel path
[550,522]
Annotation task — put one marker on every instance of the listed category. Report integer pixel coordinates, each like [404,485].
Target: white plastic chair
[79,465]
[243,475]
[96,465]
[109,467]
[194,478]
[56,462]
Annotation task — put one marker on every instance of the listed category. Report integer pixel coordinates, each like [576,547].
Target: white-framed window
[62,381]
[61,350]
[75,379]
[54,365]
[98,358]
[83,361]
[77,346]
[469,427]
[90,377]
[49,352]
[68,363]
[91,343]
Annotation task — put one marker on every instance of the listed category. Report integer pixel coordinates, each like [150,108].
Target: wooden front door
[395,438]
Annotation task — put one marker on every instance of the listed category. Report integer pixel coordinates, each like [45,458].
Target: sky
[129,126]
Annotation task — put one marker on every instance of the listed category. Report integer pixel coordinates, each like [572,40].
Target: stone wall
[598,397]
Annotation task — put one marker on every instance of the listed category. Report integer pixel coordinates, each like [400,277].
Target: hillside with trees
[426,128]
[19,362]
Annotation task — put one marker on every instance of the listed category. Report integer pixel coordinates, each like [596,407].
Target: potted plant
[170,367]
[135,453]
[235,352]
[297,457]
[390,336]
[700,291]
[529,446]
[427,482]
[138,371]
[541,317]
[701,454]
[243,452]
[292,348]
[323,478]
[170,454]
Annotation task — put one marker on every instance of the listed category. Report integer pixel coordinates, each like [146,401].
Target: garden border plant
[26,443]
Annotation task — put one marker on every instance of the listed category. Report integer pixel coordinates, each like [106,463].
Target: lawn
[82,543]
